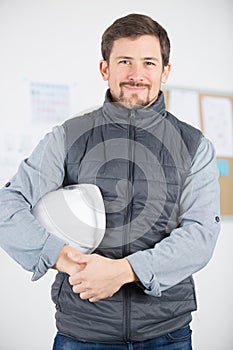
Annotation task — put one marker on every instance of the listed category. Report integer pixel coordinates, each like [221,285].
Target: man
[159,181]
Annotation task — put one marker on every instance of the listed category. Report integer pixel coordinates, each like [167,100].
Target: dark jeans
[177,340]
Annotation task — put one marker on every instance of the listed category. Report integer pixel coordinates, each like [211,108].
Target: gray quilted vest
[139,159]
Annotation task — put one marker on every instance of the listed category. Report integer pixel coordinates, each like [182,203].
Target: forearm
[126,272]
[174,259]
[21,236]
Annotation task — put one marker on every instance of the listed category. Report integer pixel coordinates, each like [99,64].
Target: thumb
[78,257]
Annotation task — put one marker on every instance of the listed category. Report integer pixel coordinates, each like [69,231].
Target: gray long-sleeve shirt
[185,251]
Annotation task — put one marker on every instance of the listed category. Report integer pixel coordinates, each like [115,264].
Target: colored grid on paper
[49,102]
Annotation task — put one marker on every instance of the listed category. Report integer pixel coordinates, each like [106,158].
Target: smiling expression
[135,71]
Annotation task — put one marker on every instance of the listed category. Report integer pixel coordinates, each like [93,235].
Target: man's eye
[149,63]
[125,62]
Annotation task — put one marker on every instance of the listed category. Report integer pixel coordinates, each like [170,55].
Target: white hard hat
[74,213]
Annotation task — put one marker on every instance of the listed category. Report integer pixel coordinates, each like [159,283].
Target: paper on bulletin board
[48,102]
[218,124]
[184,104]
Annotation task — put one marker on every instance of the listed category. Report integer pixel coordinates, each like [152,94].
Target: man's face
[135,71]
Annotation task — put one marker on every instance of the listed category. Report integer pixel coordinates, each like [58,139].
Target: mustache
[133,83]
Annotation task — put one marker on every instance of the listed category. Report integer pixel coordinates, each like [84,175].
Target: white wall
[58,41]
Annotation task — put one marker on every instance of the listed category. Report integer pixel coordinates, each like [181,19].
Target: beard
[133,100]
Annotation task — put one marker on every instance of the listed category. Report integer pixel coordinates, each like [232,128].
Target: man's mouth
[131,85]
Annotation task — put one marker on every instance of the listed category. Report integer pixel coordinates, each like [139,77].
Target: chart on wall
[218,123]
[49,102]
[45,104]
[211,113]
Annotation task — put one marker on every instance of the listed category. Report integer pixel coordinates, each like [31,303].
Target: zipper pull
[132,114]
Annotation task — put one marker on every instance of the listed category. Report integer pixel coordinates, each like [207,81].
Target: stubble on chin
[132,101]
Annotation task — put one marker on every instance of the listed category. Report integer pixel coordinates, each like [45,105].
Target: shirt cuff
[48,256]
[142,268]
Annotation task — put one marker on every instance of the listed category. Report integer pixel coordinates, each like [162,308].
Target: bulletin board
[212,114]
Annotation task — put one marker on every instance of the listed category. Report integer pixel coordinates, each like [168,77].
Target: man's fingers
[79,258]
[76,279]
[80,288]
[73,256]
[94,299]
[86,295]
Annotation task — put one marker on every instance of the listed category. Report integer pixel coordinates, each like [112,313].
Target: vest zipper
[126,242]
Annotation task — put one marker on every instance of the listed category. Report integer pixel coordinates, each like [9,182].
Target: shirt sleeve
[189,246]
[21,235]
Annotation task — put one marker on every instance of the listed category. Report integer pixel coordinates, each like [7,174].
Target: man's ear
[104,69]
[165,73]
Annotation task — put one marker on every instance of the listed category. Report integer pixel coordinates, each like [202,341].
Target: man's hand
[65,264]
[101,277]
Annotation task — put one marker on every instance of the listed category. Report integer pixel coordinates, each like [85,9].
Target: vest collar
[116,110]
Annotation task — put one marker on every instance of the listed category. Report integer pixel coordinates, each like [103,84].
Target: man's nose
[136,73]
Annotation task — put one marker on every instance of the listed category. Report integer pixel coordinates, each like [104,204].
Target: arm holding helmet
[21,235]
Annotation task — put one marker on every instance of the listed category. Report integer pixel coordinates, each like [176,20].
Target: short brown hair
[135,25]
